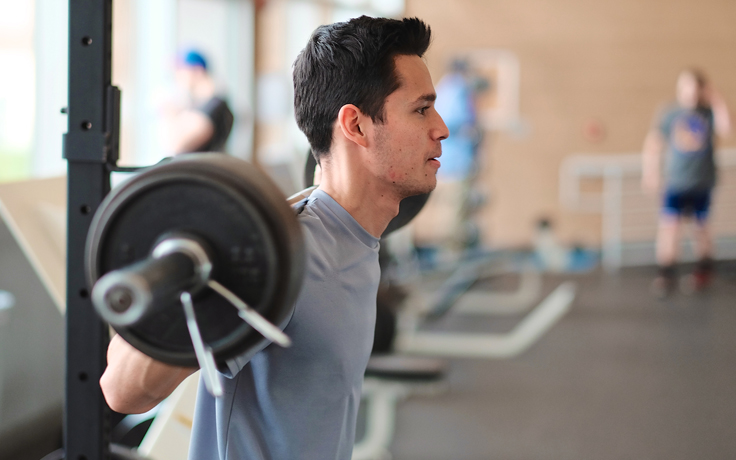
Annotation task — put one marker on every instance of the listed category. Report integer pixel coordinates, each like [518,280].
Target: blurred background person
[456,100]
[686,132]
[447,218]
[201,121]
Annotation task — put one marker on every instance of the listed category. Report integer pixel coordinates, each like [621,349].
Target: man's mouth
[435,157]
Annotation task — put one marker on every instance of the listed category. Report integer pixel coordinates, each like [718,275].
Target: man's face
[407,143]
[187,76]
[688,91]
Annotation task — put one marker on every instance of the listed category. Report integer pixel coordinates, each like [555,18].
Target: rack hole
[85,209]
[83,293]
[86,41]
[83,377]
[86,125]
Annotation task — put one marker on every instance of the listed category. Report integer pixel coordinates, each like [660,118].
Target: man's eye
[422,110]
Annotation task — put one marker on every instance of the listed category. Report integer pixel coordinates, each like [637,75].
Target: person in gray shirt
[686,132]
[365,100]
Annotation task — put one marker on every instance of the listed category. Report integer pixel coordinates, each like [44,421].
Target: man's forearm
[721,117]
[134,382]
[651,154]
[190,130]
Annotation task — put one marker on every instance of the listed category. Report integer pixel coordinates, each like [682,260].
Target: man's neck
[371,203]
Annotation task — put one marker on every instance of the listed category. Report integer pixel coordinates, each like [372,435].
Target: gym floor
[622,375]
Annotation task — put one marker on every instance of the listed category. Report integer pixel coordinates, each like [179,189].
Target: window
[17,88]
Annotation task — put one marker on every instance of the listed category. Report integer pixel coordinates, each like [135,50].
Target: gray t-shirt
[689,137]
[302,402]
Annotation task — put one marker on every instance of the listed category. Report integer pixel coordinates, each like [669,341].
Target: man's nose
[442,131]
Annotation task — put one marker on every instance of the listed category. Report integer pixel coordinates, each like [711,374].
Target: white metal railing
[610,185]
[413,341]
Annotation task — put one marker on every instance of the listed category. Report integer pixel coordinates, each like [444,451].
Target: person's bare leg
[668,239]
[668,242]
[704,251]
[703,240]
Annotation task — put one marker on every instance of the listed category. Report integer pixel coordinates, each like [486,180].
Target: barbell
[197,260]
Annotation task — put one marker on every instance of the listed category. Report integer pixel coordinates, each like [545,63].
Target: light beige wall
[614,61]
[270,50]
[123,74]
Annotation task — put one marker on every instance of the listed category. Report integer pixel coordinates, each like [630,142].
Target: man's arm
[133,382]
[721,117]
[651,157]
[189,130]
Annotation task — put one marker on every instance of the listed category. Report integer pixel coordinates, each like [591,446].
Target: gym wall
[580,62]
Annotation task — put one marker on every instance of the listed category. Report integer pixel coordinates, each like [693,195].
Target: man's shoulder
[669,110]
[666,115]
[330,233]
[215,105]
[706,112]
[318,237]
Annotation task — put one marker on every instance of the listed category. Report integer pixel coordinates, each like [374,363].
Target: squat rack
[91,150]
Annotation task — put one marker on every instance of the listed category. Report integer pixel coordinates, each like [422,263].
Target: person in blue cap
[205,123]
[446,219]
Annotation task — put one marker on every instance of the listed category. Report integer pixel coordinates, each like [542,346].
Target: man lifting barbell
[364,98]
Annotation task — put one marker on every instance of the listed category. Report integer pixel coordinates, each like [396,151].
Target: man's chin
[420,189]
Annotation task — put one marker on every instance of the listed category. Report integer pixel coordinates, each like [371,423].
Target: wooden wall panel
[614,61]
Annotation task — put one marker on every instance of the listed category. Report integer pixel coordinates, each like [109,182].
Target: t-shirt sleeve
[232,366]
[213,108]
[663,120]
[710,116]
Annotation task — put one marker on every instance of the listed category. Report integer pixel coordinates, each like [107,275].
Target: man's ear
[353,124]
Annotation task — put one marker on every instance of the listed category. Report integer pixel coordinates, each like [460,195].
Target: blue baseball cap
[193,58]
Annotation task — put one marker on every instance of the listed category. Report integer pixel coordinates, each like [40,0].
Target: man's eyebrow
[429,97]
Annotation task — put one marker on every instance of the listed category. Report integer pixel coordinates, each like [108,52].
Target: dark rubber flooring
[621,376]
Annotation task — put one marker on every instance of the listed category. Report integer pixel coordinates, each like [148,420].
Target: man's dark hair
[351,63]
[698,75]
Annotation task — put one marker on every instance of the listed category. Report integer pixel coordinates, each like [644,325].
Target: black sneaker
[662,286]
[697,281]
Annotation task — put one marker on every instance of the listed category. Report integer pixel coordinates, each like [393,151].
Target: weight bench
[456,294]
[411,340]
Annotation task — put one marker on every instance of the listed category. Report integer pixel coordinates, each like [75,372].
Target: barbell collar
[126,296]
[190,247]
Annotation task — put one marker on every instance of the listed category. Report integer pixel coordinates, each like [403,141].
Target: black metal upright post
[89,147]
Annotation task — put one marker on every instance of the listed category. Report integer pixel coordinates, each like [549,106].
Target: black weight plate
[309,169]
[251,232]
[408,208]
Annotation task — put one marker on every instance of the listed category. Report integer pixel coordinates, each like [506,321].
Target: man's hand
[721,117]
[650,170]
[650,182]
[133,382]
